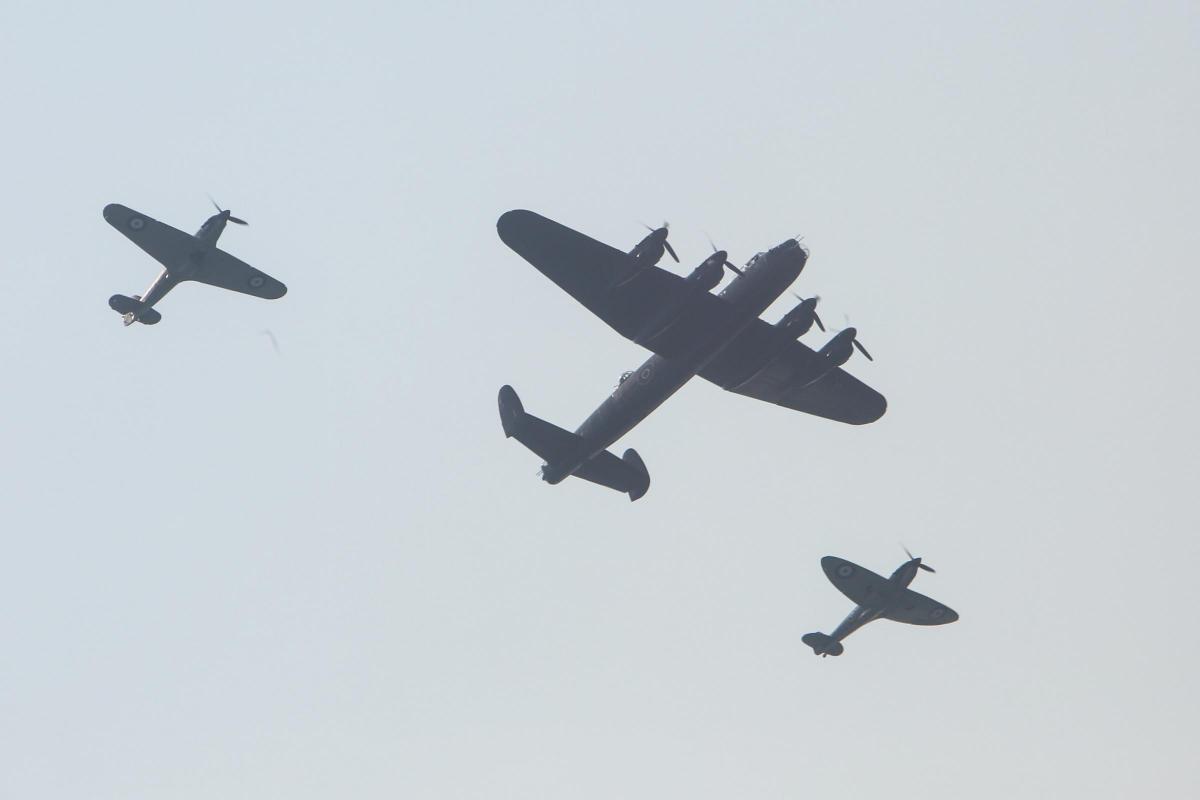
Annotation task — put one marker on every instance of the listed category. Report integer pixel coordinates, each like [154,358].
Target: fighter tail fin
[558,446]
[823,644]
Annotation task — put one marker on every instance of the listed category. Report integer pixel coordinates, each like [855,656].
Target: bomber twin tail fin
[625,474]
[557,446]
[823,644]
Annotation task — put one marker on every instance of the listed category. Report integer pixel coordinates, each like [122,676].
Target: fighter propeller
[925,567]
[232,218]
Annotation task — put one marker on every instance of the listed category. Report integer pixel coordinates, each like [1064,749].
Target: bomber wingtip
[509,220]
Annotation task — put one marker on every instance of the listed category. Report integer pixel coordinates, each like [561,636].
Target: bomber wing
[166,245]
[218,268]
[787,379]
[610,284]
[858,583]
[915,608]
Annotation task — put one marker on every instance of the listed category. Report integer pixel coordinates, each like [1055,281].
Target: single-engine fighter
[184,257]
[876,597]
[690,331]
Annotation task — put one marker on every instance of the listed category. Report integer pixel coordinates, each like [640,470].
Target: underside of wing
[585,268]
[218,268]
[915,608]
[859,584]
[166,245]
[758,365]
[651,306]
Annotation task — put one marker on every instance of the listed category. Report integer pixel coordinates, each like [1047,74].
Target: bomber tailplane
[558,446]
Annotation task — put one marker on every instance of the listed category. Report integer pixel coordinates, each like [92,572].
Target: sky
[230,572]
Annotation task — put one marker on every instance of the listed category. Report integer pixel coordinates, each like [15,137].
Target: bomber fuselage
[641,391]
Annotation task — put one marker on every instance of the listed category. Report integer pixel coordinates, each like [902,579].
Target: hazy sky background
[227,573]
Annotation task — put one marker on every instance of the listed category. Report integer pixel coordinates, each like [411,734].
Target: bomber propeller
[861,349]
[662,233]
[854,340]
[816,298]
[728,263]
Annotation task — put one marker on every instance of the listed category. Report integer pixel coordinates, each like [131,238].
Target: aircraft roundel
[256,282]
[645,375]
[137,223]
[937,613]
[845,571]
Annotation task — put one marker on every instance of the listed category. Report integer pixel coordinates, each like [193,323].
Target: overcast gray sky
[228,573]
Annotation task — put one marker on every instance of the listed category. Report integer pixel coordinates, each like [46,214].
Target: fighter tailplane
[567,453]
[823,644]
[132,310]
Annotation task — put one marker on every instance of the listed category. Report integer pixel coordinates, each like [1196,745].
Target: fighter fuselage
[170,277]
[889,594]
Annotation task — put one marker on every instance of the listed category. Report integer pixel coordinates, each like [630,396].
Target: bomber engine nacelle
[649,251]
[709,273]
[800,319]
[837,351]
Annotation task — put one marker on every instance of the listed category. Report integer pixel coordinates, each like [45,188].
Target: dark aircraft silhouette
[690,331]
[184,257]
[876,596]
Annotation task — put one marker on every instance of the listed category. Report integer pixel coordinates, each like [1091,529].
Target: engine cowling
[837,351]
[800,319]
[708,274]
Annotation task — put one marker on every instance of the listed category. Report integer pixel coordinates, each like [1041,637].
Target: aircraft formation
[689,331]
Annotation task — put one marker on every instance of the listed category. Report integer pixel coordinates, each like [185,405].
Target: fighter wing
[787,378]
[610,284]
[166,245]
[860,585]
[915,608]
[218,268]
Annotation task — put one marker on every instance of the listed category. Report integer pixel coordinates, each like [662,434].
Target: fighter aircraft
[876,596]
[690,331]
[184,258]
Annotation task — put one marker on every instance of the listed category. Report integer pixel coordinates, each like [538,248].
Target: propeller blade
[736,271]
[237,221]
[667,245]
[925,567]
[862,349]
[817,320]
[216,205]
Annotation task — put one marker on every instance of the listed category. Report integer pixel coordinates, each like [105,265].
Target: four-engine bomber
[690,332]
